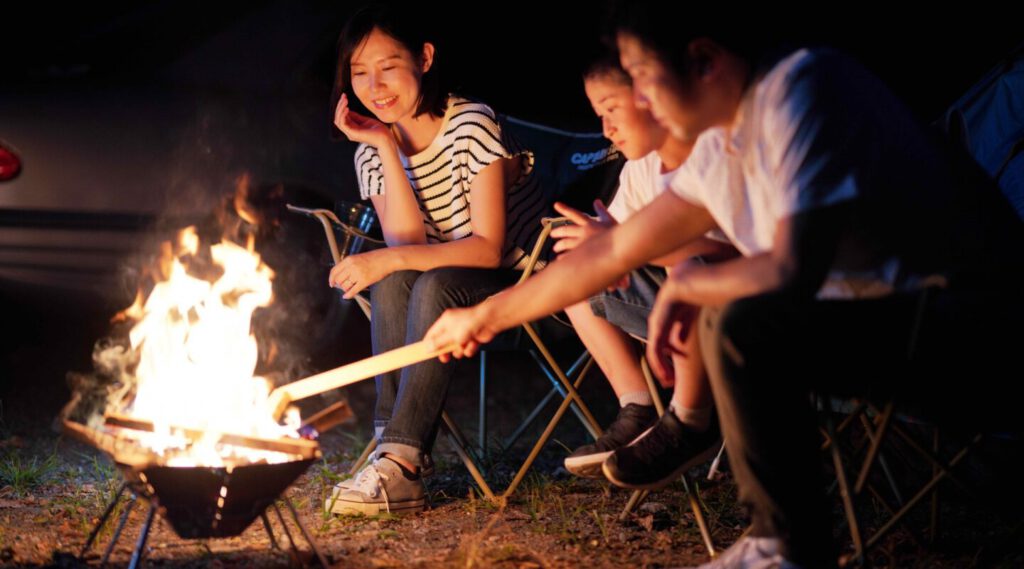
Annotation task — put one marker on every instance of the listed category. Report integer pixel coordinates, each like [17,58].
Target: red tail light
[10,165]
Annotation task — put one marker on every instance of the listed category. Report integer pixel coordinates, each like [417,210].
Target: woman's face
[385,76]
[656,87]
[634,131]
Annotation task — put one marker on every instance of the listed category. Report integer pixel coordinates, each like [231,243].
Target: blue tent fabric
[988,121]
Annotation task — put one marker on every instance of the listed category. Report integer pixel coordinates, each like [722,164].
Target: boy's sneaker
[631,422]
[381,486]
[667,451]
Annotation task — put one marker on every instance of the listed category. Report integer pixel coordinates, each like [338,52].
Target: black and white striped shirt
[441,175]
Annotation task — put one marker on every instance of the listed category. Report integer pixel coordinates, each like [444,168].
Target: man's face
[673,101]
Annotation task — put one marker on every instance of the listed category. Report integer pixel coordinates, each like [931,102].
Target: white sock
[636,397]
[696,419]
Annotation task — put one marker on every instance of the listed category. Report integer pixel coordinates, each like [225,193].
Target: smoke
[293,333]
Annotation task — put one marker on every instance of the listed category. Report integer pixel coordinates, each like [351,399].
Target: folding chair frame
[878,423]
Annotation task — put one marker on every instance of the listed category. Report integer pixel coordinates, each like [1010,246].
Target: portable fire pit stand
[140,543]
[199,501]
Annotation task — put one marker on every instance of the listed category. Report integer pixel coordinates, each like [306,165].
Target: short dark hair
[404,26]
[667,28]
[606,66]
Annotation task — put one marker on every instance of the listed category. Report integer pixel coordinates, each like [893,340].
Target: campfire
[175,400]
[177,405]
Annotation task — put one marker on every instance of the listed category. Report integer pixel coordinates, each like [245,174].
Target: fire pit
[179,408]
[200,501]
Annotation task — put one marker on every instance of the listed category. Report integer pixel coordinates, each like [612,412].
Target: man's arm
[666,224]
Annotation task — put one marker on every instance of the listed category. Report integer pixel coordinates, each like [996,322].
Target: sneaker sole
[372,508]
[701,458]
[587,466]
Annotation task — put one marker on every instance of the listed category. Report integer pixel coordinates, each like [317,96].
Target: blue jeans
[629,308]
[404,306]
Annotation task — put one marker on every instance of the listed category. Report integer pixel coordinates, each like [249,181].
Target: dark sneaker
[381,486]
[631,422]
[662,455]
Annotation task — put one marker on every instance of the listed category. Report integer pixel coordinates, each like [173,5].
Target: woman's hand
[356,272]
[359,128]
[463,328]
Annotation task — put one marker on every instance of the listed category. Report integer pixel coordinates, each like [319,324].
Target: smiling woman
[459,205]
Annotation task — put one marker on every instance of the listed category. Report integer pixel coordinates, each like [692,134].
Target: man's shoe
[381,486]
[630,423]
[752,553]
[667,451]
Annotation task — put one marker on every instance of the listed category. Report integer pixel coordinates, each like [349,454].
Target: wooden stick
[352,373]
[301,447]
[329,417]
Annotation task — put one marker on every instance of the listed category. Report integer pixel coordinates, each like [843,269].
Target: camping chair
[575,165]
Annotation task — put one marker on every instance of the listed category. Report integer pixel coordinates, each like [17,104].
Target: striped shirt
[441,175]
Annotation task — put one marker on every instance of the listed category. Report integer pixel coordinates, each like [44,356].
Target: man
[873,259]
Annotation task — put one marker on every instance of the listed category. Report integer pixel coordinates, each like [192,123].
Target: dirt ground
[53,489]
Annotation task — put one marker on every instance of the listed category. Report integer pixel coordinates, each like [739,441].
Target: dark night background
[133,118]
[123,112]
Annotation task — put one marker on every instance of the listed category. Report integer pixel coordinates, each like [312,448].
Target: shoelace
[370,483]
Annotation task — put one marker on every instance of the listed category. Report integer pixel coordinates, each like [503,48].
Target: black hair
[606,66]
[667,28]
[402,24]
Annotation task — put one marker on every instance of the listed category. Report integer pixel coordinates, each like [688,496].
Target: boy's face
[633,131]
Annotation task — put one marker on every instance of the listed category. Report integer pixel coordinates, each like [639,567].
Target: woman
[458,205]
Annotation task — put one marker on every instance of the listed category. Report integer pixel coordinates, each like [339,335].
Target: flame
[197,355]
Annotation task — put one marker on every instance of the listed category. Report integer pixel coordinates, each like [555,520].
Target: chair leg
[562,408]
[876,443]
[482,410]
[363,457]
[556,384]
[584,361]
[458,442]
[651,386]
[933,525]
[924,491]
[698,515]
[573,395]
[844,490]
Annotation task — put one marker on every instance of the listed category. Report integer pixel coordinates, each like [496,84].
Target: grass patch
[23,475]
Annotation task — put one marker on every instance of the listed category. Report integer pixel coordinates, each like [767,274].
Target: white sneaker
[752,553]
[382,486]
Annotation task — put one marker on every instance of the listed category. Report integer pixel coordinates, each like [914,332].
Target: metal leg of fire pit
[270,531]
[103,520]
[305,533]
[140,545]
[291,542]
[117,532]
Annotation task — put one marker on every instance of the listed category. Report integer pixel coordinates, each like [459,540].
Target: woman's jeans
[404,306]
